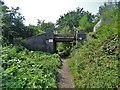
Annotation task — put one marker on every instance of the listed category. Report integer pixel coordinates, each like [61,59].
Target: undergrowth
[28,69]
[95,63]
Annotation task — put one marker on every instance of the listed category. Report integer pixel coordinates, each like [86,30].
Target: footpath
[64,76]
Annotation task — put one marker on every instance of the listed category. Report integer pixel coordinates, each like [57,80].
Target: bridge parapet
[47,42]
[64,38]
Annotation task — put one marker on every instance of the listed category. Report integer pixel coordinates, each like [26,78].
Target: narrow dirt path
[64,76]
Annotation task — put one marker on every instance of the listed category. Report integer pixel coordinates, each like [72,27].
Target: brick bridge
[47,41]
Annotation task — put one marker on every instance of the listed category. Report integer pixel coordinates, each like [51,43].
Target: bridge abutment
[51,45]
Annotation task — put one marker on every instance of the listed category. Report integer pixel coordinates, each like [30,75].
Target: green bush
[28,69]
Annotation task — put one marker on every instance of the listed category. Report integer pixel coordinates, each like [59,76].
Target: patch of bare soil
[64,76]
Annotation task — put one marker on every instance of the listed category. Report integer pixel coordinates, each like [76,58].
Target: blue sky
[50,10]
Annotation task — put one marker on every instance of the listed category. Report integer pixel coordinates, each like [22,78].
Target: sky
[50,10]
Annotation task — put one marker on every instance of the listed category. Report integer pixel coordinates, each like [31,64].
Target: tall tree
[13,26]
[70,19]
[77,18]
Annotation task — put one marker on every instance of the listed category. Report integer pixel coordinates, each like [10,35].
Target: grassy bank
[95,63]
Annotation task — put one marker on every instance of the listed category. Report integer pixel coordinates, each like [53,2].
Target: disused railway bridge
[47,41]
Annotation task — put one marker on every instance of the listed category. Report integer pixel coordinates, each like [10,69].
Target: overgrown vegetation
[74,20]
[95,64]
[20,67]
[28,69]
[13,25]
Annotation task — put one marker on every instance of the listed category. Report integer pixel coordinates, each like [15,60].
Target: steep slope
[95,64]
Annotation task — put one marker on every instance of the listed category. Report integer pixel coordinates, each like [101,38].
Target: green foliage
[13,26]
[28,69]
[12,23]
[106,9]
[64,46]
[78,19]
[42,25]
[0,13]
[85,23]
[65,30]
[95,63]
[34,29]
[70,20]
[96,68]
